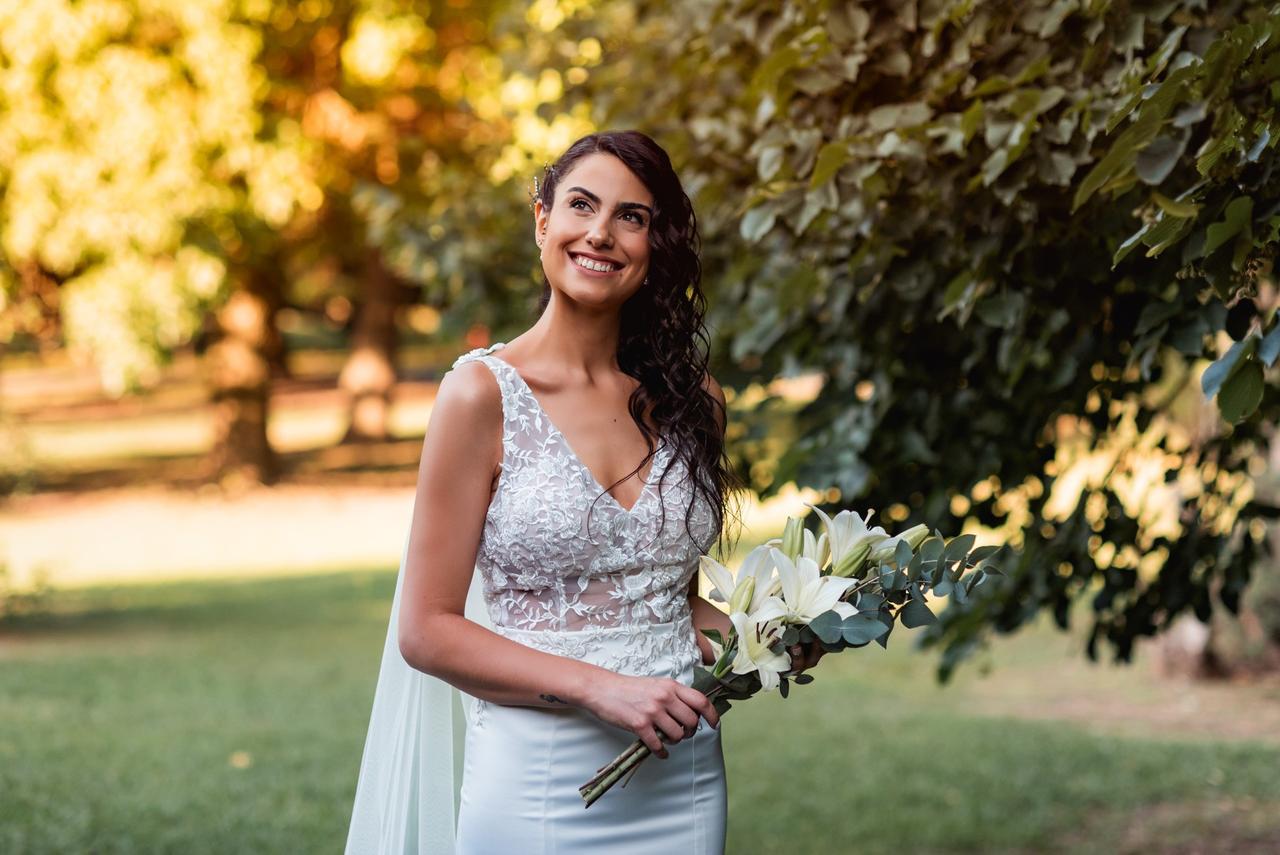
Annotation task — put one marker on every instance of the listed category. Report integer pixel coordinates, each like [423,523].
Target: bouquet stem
[625,763]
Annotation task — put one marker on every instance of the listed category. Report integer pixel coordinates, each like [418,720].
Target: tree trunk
[369,375]
[239,376]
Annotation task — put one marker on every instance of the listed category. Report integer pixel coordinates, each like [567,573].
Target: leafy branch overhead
[938,209]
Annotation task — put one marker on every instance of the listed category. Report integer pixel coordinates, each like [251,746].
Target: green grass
[122,712]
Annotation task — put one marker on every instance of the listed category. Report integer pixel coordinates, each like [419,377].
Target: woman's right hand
[647,706]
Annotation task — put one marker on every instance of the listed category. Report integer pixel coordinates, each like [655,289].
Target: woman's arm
[706,616]
[460,453]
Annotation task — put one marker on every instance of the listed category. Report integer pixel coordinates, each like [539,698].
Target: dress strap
[506,385]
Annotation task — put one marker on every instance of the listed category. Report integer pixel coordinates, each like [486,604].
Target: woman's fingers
[672,729]
[687,718]
[650,739]
[700,704]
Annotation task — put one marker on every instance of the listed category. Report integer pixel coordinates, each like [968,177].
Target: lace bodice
[550,582]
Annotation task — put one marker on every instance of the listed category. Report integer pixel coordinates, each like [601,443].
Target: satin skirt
[523,767]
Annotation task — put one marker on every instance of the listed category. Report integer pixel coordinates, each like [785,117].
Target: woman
[590,591]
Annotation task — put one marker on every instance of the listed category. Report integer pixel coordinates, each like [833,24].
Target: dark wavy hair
[662,340]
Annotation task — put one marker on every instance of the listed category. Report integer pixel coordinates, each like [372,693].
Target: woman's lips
[588,271]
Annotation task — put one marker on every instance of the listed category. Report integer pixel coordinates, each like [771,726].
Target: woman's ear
[539,221]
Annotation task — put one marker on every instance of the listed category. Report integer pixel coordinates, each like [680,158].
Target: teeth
[591,264]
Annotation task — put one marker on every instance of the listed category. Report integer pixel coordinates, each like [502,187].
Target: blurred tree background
[1009,238]
[1001,268]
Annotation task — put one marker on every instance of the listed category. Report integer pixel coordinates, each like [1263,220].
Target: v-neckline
[582,467]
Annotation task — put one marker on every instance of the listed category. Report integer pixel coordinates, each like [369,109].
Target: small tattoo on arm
[552,699]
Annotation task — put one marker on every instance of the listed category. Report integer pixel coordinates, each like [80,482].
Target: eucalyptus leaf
[828,626]
[915,614]
[958,548]
[861,629]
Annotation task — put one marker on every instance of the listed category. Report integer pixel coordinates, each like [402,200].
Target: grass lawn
[229,717]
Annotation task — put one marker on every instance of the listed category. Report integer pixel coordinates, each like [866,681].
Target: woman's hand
[804,656]
[647,706]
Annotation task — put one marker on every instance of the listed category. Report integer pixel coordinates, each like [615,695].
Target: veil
[406,798]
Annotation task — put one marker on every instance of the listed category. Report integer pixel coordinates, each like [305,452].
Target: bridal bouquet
[845,587]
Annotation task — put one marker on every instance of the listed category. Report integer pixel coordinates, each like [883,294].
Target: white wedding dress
[615,595]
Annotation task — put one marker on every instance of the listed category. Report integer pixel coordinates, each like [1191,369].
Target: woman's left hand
[804,656]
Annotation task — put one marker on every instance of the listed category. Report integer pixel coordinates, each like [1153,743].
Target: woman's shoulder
[469,395]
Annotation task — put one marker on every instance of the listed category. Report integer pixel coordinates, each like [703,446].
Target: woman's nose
[599,234]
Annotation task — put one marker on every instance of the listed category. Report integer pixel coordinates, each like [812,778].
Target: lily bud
[852,560]
[916,535]
[741,599]
[793,537]
[885,550]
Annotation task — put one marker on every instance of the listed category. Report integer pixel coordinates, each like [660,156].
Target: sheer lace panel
[541,568]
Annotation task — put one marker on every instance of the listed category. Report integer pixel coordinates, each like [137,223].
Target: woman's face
[601,216]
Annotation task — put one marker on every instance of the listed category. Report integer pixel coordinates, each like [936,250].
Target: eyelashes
[638,219]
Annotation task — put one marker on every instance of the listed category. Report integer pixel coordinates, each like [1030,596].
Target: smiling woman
[586,633]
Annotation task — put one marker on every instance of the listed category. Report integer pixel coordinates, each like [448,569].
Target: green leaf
[958,547]
[828,626]
[703,681]
[889,116]
[757,222]
[831,157]
[767,74]
[1166,232]
[1154,314]
[1157,160]
[1269,349]
[1129,243]
[902,554]
[868,601]
[1221,371]
[1235,219]
[770,162]
[714,635]
[916,613]
[1118,160]
[1175,207]
[861,629]
[1241,393]
[886,620]
[1001,310]
[982,552]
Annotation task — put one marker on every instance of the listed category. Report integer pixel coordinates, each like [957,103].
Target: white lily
[756,572]
[850,539]
[817,549]
[806,593]
[756,633]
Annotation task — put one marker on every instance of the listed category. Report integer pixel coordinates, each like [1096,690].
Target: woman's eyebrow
[622,206]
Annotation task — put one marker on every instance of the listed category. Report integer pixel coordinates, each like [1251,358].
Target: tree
[937,206]
[137,177]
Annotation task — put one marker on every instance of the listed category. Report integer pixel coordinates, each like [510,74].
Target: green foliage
[130,155]
[934,206]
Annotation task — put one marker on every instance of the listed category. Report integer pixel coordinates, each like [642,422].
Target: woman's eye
[639,220]
[576,201]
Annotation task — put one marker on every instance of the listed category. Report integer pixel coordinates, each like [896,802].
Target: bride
[563,610]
